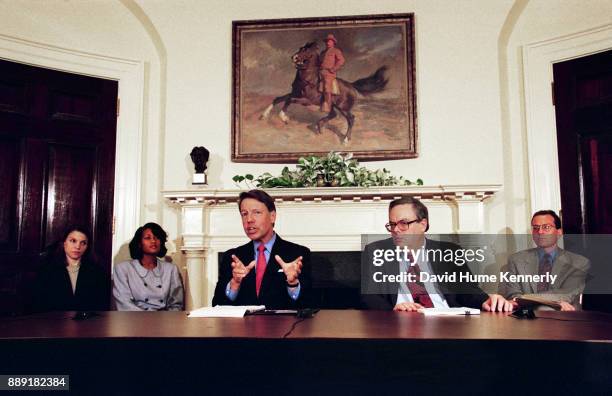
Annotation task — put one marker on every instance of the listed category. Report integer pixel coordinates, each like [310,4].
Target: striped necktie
[544,268]
[417,289]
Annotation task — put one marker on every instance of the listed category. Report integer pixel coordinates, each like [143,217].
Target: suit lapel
[246,254]
[80,282]
[439,268]
[393,294]
[561,267]
[430,245]
[68,294]
[531,267]
[391,267]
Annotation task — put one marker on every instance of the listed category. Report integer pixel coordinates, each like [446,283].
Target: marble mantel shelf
[451,192]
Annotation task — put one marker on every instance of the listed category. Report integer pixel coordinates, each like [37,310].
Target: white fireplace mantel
[324,219]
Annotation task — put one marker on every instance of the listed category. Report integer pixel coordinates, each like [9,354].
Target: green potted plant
[334,170]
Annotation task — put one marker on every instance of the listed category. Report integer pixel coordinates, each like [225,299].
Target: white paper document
[449,311]
[225,311]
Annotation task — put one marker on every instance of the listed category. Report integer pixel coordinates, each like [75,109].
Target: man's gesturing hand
[292,270]
[239,271]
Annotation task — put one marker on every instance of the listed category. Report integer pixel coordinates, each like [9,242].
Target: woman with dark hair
[69,279]
[148,283]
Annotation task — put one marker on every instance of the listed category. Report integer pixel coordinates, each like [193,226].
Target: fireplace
[330,221]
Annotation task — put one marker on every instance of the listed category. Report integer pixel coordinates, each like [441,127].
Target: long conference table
[336,351]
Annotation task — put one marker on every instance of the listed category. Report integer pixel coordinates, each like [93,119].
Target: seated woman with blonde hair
[69,279]
[148,283]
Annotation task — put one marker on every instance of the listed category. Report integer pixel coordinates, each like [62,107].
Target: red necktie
[261,267]
[417,289]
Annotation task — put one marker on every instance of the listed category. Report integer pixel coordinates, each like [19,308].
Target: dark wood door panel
[10,162]
[70,191]
[34,171]
[583,109]
[71,107]
[12,95]
[597,170]
[57,148]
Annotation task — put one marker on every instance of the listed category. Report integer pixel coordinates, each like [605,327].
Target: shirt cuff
[229,293]
[294,292]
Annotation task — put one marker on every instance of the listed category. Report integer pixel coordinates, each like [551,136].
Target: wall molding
[538,60]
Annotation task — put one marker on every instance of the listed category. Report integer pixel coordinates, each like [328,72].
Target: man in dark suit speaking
[268,270]
[408,222]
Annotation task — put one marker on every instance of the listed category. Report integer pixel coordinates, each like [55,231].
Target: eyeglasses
[403,225]
[543,227]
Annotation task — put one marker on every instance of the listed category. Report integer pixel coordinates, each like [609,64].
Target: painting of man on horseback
[316,83]
[350,82]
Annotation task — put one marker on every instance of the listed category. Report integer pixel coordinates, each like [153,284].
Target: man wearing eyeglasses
[408,222]
[547,258]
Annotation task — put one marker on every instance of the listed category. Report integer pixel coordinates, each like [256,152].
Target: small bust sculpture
[199,156]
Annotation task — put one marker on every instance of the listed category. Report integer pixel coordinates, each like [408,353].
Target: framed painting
[309,86]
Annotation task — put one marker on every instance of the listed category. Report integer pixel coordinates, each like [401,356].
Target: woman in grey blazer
[147,282]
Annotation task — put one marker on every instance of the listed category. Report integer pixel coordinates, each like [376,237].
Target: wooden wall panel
[70,193]
[9,183]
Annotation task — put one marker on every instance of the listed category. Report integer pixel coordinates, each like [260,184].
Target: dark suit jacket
[53,291]
[273,293]
[456,294]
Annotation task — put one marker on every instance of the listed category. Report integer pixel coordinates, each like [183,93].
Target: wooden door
[57,153]
[583,106]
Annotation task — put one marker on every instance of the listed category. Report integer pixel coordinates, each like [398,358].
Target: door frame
[540,121]
[129,139]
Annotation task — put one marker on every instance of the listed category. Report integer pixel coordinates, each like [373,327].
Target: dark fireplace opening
[336,279]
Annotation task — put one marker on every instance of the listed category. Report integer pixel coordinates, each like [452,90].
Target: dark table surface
[326,324]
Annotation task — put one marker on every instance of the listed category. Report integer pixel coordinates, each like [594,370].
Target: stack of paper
[225,311]
[449,311]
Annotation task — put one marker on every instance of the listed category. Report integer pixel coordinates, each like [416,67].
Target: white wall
[538,20]
[457,84]
[199,83]
[469,83]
